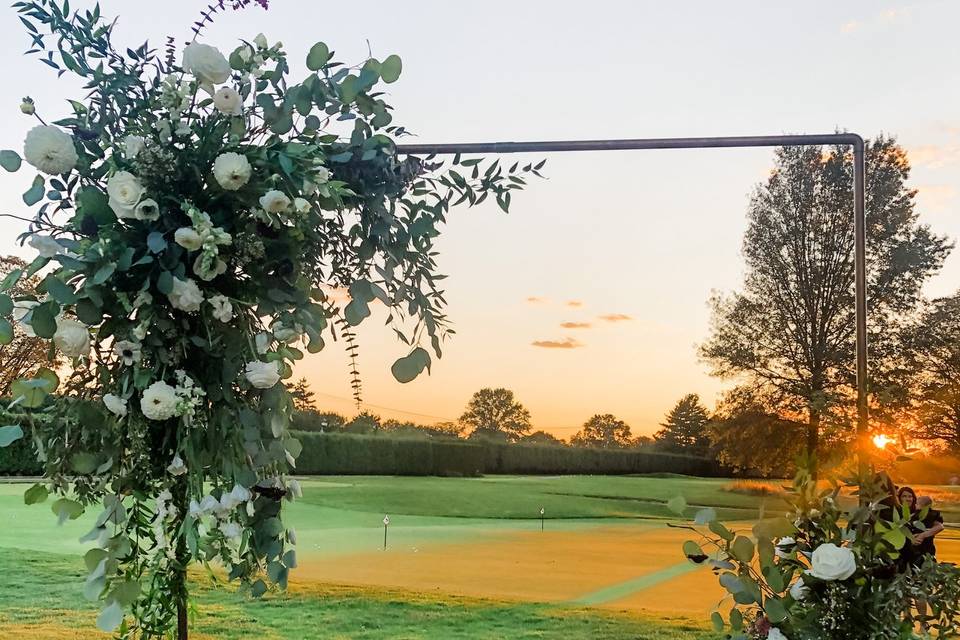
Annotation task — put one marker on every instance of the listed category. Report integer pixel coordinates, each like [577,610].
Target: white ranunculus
[133,145]
[776,634]
[125,192]
[798,590]
[50,150]
[830,562]
[115,405]
[72,338]
[231,530]
[232,170]
[20,309]
[228,101]
[274,201]
[262,375]
[177,467]
[147,210]
[206,63]
[186,295]
[302,205]
[159,401]
[222,309]
[46,246]
[128,352]
[188,238]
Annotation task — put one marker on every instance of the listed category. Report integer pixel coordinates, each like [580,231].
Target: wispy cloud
[934,156]
[850,27]
[566,343]
[887,16]
[616,317]
[536,300]
[575,325]
[938,197]
[574,303]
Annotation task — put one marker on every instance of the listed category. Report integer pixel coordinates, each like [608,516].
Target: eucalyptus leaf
[10,160]
[390,69]
[34,194]
[318,56]
[10,434]
[36,494]
[6,331]
[110,618]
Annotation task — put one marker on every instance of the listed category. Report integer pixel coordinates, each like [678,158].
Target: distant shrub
[757,488]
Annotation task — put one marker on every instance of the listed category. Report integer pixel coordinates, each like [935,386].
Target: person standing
[931,523]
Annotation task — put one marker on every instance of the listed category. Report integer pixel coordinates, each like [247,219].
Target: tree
[364,422]
[605,431]
[932,347]
[685,429]
[496,413]
[789,333]
[24,354]
[542,437]
[303,397]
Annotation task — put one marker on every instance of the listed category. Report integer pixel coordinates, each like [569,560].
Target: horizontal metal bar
[851,139]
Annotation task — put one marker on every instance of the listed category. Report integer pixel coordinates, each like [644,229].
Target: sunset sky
[590,296]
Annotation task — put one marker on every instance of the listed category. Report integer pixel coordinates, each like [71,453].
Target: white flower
[296,490]
[209,504]
[240,494]
[177,466]
[798,590]
[208,273]
[232,170]
[187,238]
[140,331]
[262,375]
[186,295]
[231,530]
[322,176]
[196,511]
[283,333]
[206,63]
[133,145]
[784,546]
[46,246]
[261,41]
[228,101]
[147,210]
[127,351]
[159,401]
[775,634]
[143,298]
[302,205]
[50,150]
[20,309]
[125,192]
[222,309]
[27,107]
[115,405]
[72,338]
[830,562]
[274,201]
[262,341]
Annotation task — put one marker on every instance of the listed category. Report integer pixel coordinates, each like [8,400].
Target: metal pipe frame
[859,214]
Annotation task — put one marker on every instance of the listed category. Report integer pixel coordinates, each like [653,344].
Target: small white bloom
[222,309]
[20,309]
[46,246]
[232,170]
[830,562]
[125,191]
[274,201]
[183,128]
[302,205]
[127,351]
[115,405]
[72,338]
[262,341]
[776,634]
[209,504]
[140,331]
[784,546]
[177,467]
[196,511]
[206,63]
[159,401]
[322,175]
[261,41]
[186,295]
[228,101]
[262,375]
[798,590]
[296,490]
[240,494]
[147,210]
[188,238]
[231,530]
[50,150]
[27,107]
[207,274]
[133,145]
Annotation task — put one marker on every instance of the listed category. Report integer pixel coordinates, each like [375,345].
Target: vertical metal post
[860,264]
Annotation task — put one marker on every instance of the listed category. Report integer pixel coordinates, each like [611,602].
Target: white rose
[72,338]
[46,246]
[159,401]
[125,191]
[20,309]
[177,466]
[274,201]
[206,63]
[232,170]
[830,562]
[50,150]
[147,210]
[115,405]
[186,295]
[187,238]
[231,530]
[127,351]
[798,590]
[302,205]
[776,634]
[262,375]
[228,101]
[222,309]
[133,145]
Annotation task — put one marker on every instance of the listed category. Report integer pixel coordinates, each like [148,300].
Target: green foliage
[685,428]
[605,431]
[496,413]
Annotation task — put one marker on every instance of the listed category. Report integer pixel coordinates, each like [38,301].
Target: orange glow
[881,440]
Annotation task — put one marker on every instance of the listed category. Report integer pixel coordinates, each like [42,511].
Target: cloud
[574,303]
[887,16]
[566,343]
[934,156]
[536,300]
[850,27]
[575,325]
[937,197]
[616,317]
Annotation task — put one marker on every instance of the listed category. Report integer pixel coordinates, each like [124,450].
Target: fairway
[457,548]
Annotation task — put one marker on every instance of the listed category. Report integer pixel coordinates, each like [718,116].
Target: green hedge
[19,459]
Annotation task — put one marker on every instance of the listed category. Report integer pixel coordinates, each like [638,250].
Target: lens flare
[881,440]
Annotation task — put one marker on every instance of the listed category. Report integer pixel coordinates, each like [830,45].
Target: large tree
[496,413]
[303,398]
[25,353]
[606,431]
[685,427]
[789,333]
